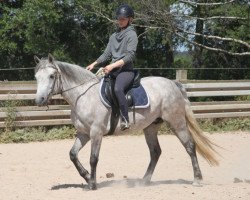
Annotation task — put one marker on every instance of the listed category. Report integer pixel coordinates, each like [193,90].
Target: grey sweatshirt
[122,45]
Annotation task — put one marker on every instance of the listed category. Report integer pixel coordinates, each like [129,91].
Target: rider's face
[123,22]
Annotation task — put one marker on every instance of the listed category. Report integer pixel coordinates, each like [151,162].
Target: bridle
[58,81]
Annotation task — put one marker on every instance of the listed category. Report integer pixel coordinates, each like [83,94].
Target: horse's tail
[204,146]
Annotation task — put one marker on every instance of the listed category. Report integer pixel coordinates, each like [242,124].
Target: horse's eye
[52,76]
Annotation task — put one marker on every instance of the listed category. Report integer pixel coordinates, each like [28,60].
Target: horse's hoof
[92,186]
[197,183]
[145,182]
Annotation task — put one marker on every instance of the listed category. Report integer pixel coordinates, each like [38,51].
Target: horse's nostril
[39,100]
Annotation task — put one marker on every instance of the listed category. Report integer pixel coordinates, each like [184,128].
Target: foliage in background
[10,107]
[225,28]
[77,31]
[37,27]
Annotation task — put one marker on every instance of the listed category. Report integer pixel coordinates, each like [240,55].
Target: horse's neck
[74,81]
[71,92]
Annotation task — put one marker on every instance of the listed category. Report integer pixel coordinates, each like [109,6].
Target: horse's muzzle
[41,101]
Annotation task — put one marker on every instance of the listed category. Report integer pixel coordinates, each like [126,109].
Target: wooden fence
[17,101]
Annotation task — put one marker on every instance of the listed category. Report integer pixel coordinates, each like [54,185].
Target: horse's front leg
[81,140]
[96,141]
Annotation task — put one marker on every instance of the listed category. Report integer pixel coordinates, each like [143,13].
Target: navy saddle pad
[139,95]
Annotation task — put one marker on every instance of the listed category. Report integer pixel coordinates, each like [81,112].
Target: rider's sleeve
[106,55]
[131,48]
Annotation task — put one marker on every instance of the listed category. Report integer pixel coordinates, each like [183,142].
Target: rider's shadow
[127,183]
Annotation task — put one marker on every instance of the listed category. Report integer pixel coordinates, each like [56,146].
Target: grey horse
[168,103]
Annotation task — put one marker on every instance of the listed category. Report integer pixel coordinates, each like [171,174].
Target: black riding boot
[124,118]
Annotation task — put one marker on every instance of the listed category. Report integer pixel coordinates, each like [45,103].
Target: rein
[79,85]
[58,80]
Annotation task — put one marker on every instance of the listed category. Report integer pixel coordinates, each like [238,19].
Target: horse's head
[47,74]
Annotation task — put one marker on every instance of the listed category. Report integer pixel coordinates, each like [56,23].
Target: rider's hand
[107,69]
[91,66]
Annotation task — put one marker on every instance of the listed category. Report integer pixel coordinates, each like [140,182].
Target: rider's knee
[117,89]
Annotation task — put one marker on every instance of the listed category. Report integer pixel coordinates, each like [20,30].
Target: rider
[121,48]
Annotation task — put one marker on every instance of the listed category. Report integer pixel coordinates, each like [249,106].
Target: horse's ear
[51,58]
[37,60]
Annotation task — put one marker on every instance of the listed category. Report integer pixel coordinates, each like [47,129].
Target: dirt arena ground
[43,171]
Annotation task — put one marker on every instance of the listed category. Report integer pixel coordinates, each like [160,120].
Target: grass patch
[40,134]
[10,106]
[37,134]
[226,124]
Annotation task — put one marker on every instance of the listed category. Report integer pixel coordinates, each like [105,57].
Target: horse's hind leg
[81,140]
[181,131]
[155,150]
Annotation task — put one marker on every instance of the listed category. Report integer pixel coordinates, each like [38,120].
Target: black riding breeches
[122,82]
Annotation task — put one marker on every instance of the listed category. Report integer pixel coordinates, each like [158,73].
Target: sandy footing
[43,171]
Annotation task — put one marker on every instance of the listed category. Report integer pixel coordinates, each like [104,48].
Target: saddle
[109,99]
[109,93]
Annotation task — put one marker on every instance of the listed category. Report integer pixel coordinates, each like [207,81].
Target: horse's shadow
[129,183]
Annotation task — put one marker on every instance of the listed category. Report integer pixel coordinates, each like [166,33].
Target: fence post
[181,75]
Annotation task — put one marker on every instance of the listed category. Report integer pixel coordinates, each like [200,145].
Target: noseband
[58,80]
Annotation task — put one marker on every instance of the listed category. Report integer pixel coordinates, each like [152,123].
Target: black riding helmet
[124,11]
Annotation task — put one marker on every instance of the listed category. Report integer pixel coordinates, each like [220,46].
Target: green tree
[223,37]
[77,31]
[228,28]
[37,27]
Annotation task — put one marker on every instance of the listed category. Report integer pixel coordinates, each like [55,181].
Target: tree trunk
[197,58]
[169,54]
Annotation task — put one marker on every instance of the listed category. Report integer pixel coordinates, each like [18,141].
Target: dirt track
[43,171]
